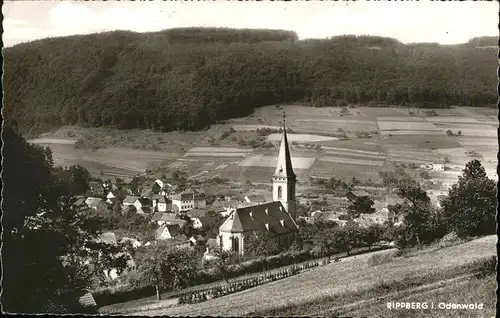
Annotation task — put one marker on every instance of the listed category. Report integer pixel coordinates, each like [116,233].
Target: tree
[168,269]
[211,224]
[361,205]
[470,207]
[347,237]
[261,244]
[425,175]
[449,133]
[45,241]
[371,235]
[225,260]
[459,133]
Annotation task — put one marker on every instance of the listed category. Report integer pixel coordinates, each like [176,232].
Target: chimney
[251,214]
[267,211]
[267,226]
[282,222]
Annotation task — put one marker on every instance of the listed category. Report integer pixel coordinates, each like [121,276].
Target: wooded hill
[190,78]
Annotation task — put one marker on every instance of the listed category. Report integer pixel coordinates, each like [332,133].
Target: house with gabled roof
[168,231]
[166,218]
[196,216]
[95,203]
[354,195]
[255,198]
[188,200]
[129,200]
[163,204]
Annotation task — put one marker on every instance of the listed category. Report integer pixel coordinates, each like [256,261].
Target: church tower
[284,179]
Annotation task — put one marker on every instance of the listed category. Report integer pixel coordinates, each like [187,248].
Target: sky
[425,21]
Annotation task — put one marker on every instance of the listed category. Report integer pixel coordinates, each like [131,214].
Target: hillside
[363,281]
[187,79]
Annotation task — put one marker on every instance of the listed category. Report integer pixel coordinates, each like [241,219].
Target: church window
[235,243]
[280,193]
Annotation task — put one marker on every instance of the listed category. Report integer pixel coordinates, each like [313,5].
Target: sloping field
[409,154]
[318,125]
[452,119]
[300,138]
[401,119]
[382,112]
[424,142]
[354,155]
[47,141]
[484,142]
[327,169]
[123,160]
[412,132]
[241,127]
[405,125]
[341,150]
[272,161]
[353,161]
[349,276]
[256,173]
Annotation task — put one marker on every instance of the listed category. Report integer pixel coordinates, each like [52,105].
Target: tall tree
[470,207]
[45,240]
[361,205]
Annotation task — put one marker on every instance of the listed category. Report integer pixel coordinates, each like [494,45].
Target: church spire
[284,167]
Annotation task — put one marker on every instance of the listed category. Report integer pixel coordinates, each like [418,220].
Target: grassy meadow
[363,284]
[373,137]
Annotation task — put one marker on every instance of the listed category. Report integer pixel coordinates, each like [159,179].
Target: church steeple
[284,167]
[284,179]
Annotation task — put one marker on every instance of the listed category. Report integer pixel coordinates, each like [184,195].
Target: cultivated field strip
[272,161]
[401,120]
[216,154]
[396,153]
[353,161]
[452,119]
[352,155]
[336,121]
[301,138]
[409,125]
[412,132]
[241,127]
[349,150]
[218,150]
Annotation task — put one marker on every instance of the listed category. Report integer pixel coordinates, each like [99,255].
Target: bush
[108,297]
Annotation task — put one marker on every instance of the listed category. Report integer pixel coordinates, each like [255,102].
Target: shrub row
[108,297]
[242,284]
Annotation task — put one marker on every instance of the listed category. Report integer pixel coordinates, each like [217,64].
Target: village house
[112,273]
[97,188]
[354,195]
[276,218]
[111,198]
[168,231]
[79,204]
[143,205]
[189,200]
[196,216]
[161,218]
[96,203]
[163,204]
[255,199]
[134,242]
[129,200]
[179,242]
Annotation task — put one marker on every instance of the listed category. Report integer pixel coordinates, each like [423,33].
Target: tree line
[190,78]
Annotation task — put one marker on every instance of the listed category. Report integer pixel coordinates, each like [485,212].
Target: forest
[187,79]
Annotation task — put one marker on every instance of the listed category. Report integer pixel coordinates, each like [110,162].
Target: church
[277,217]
